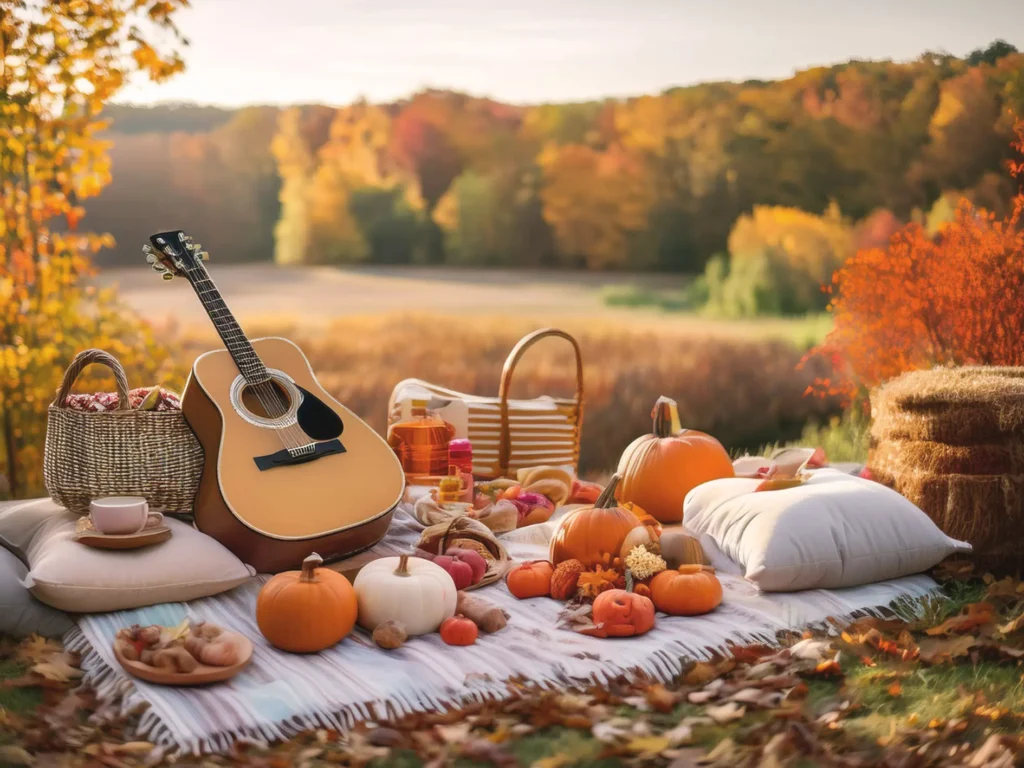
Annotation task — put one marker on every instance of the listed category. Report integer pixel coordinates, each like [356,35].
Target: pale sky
[334,51]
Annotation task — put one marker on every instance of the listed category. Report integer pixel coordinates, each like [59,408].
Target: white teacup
[119,515]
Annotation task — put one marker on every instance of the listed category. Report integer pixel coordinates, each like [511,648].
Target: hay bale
[893,457]
[952,441]
[986,511]
[958,406]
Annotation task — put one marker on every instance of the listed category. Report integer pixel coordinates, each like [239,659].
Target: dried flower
[592,583]
[644,564]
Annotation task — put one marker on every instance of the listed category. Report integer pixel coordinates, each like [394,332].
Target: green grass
[17,700]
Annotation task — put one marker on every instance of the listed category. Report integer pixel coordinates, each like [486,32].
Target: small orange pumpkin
[659,469]
[690,590]
[618,613]
[591,533]
[531,579]
[306,611]
[458,630]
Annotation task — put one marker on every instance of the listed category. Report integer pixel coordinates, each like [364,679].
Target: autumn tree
[594,201]
[60,62]
[951,299]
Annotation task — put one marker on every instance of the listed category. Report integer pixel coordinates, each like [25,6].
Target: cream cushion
[833,531]
[73,577]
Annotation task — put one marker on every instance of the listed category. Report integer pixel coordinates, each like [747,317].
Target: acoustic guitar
[288,469]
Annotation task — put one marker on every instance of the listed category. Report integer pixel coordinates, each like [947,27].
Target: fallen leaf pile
[944,689]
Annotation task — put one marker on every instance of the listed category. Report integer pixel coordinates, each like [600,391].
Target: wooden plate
[144,538]
[202,675]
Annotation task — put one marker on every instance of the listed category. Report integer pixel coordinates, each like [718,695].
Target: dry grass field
[364,331]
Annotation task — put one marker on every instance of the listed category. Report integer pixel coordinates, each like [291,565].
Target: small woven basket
[124,452]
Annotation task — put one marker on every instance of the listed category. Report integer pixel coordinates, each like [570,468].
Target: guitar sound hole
[266,401]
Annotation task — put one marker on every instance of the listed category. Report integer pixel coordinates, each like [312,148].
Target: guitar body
[270,508]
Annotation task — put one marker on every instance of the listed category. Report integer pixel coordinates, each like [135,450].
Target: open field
[311,297]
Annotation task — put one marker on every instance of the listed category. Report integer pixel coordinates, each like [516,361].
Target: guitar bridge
[287,457]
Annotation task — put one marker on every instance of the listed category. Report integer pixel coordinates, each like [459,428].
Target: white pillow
[20,521]
[74,577]
[20,613]
[833,531]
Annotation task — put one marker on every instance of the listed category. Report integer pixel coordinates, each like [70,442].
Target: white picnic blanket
[280,694]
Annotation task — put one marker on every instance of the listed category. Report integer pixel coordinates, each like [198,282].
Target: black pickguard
[316,419]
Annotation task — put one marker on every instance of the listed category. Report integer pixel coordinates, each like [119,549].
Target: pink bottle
[460,455]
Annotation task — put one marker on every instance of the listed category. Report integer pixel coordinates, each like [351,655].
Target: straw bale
[958,406]
[985,510]
[899,456]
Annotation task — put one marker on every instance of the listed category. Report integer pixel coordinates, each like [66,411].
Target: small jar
[460,457]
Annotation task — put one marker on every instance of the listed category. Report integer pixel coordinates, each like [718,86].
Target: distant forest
[655,182]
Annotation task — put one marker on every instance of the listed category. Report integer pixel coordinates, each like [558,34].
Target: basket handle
[505,446]
[88,357]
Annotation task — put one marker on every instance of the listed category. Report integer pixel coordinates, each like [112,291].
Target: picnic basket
[507,434]
[120,452]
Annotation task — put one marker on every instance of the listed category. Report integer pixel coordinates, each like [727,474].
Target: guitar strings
[269,396]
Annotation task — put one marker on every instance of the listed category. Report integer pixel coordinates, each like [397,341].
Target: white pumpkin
[412,591]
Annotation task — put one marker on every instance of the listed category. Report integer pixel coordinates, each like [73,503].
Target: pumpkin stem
[309,566]
[607,498]
[666,417]
[403,566]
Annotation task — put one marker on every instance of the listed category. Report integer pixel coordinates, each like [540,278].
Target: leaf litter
[846,695]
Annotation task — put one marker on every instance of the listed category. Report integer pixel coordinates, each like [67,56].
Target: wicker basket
[507,435]
[124,452]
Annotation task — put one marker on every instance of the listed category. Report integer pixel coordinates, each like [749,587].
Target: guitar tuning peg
[167,276]
[158,267]
[204,255]
[151,258]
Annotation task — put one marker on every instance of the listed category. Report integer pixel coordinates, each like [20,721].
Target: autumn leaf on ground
[1013,626]
[35,649]
[58,668]
[1008,587]
[648,747]
[726,713]
[701,673]
[941,650]
[973,616]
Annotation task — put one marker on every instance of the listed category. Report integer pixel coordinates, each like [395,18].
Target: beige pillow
[73,577]
[20,521]
[833,531]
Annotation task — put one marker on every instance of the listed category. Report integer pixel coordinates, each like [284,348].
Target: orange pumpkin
[659,469]
[306,611]
[618,613]
[690,590]
[458,630]
[590,533]
[532,579]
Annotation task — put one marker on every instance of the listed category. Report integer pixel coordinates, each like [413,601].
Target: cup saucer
[86,534]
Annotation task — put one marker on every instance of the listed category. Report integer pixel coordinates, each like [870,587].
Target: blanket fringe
[664,665]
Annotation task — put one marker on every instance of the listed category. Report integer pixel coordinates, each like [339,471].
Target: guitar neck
[242,352]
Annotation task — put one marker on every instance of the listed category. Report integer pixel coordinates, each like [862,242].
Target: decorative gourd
[458,630]
[618,613]
[565,578]
[414,592]
[690,590]
[659,469]
[532,579]
[590,533]
[306,611]
[679,548]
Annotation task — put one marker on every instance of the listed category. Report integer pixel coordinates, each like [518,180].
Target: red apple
[475,560]
[460,571]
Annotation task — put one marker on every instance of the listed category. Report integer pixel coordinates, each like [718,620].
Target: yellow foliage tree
[594,201]
[60,62]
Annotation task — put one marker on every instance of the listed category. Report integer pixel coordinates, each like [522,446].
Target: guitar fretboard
[245,357]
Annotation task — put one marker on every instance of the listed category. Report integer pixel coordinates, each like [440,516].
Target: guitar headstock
[173,253]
